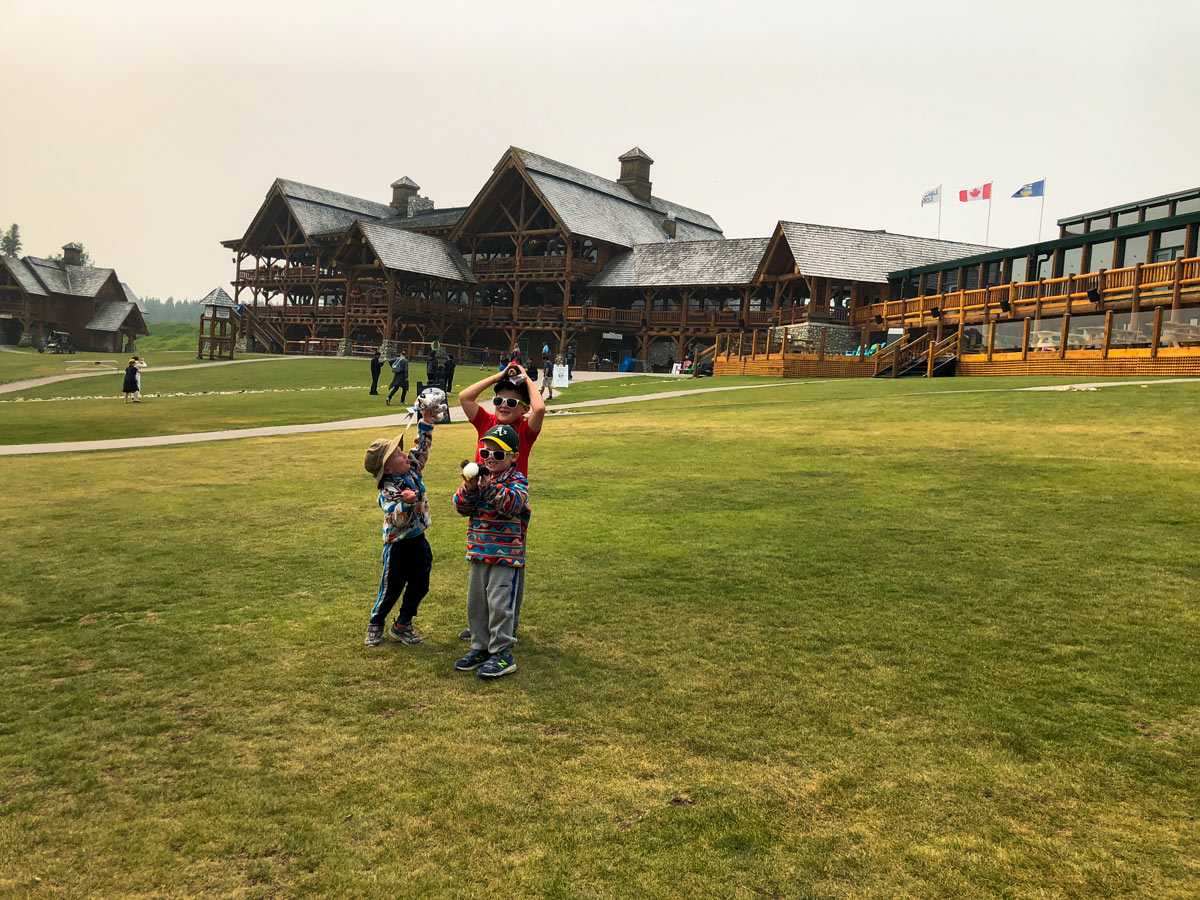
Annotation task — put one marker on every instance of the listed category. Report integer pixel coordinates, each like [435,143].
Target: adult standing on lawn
[138,365]
[399,378]
[570,362]
[130,385]
[376,368]
[448,373]
[431,368]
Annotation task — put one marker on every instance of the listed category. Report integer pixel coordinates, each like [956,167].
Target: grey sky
[149,131]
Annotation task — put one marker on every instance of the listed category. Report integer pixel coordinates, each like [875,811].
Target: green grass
[799,642]
[170,336]
[20,364]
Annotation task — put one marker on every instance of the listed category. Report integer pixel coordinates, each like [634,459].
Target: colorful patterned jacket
[407,520]
[499,517]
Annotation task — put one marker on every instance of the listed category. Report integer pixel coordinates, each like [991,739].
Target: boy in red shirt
[515,405]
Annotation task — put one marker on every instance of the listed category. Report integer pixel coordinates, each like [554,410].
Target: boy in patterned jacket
[407,557]
[497,502]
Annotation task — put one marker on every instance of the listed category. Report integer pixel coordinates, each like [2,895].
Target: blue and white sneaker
[374,635]
[472,661]
[498,665]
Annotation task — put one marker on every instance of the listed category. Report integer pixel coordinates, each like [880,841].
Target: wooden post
[1025,337]
[1108,317]
[1135,301]
[821,346]
[958,342]
[1176,287]
[1070,290]
[1066,330]
[1156,335]
[991,338]
[929,362]
[754,344]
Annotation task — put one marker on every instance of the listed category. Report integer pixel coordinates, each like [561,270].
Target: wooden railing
[1175,283]
[278,274]
[535,265]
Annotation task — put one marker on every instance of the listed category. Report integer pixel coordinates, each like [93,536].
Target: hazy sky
[150,131]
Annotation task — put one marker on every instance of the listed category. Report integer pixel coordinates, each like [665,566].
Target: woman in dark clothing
[130,387]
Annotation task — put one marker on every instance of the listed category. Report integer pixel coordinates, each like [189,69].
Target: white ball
[471,469]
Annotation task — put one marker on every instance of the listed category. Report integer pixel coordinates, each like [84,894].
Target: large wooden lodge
[548,253]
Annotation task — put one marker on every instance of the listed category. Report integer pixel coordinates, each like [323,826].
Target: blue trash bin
[628,364]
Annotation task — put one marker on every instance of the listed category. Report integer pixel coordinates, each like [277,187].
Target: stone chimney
[73,254]
[404,190]
[635,173]
[669,226]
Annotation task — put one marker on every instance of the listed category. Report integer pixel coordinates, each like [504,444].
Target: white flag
[933,196]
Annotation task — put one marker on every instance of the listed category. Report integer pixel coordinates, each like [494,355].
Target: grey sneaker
[404,634]
[465,634]
[374,635]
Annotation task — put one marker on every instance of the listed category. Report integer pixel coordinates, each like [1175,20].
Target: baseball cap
[505,436]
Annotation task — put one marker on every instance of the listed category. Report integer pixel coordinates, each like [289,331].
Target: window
[911,285]
[1045,265]
[992,273]
[1168,245]
[1133,251]
[1072,228]
[950,281]
[1159,211]
[931,283]
[1070,261]
[1018,268]
[972,278]
[1129,217]
[1188,205]
[1100,223]
[1100,256]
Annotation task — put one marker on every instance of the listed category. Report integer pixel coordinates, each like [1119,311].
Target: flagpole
[1042,211]
[988,229]
[940,186]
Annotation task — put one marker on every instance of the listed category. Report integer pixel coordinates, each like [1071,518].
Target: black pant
[398,385]
[408,563]
[374,382]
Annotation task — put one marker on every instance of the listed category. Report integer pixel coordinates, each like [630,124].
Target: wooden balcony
[1173,284]
[535,267]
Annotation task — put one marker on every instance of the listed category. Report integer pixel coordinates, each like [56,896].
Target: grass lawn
[170,336]
[809,645]
[19,364]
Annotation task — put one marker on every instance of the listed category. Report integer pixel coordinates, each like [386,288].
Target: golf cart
[59,342]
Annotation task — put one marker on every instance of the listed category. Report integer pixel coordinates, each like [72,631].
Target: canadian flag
[983,192]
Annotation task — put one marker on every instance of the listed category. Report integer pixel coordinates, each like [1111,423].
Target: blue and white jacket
[401,520]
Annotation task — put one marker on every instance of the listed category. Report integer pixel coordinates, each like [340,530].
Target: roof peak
[636,153]
[405,181]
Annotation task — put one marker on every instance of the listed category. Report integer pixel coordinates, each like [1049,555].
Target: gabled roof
[852,254]
[318,211]
[42,277]
[112,314]
[128,292]
[676,264]
[591,206]
[428,218]
[411,251]
[217,297]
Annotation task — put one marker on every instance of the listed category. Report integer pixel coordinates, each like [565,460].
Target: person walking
[130,385]
[570,362]
[399,378]
[448,374]
[376,368]
[431,369]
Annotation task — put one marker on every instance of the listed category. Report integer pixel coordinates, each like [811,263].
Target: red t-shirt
[484,420]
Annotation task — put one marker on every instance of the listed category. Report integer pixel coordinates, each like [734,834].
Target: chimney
[635,173]
[73,254]
[403,192]
[669,226]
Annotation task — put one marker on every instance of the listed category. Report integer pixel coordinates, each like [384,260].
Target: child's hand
[408,495]
[430,414]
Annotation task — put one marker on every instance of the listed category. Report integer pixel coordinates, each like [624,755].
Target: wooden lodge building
[548,253]
[544,253]
[38,296]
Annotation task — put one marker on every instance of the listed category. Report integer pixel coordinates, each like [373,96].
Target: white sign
[560,377]
[677,369]
[610,336]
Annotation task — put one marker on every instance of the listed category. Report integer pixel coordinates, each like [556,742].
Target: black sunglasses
[510,402]
[497,455]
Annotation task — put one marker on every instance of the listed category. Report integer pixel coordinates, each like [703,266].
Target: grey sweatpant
[494,595]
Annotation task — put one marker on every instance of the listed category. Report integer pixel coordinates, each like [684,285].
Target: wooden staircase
[261,329]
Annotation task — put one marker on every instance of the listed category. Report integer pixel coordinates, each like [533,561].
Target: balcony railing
[535,265]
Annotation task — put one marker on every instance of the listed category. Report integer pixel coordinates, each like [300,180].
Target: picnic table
[1178,335]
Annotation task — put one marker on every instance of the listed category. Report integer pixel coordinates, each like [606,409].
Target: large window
[950,281]
[1018,269]
[1070,261]
[1100,256]
[1045,265]
[1189,205]
[1100,223]
[1168,245]
[1129,217]
[1133,251]
[992,272]
[1160,211]
[931,283]
[972,277]
[1072,228]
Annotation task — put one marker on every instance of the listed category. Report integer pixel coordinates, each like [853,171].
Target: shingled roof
[411,251]
[591,206]
[111,315]
[676,264]
[428,218]
[319,211]
[852,254]
[42,277]
[217,297]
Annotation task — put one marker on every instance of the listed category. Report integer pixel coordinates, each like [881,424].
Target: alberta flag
[983,192]
[1033,189]
[933,196]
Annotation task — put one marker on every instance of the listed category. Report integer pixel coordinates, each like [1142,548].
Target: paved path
[456,415]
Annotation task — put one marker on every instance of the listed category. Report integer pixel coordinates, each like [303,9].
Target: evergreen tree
[10,244]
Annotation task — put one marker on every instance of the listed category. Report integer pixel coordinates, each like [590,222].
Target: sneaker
[388,401]
[374,635]
[465,634]
[472,661]
[499,664]
[404,634]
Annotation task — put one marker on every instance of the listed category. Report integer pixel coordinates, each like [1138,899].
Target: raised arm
[537,406]
[468,397]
